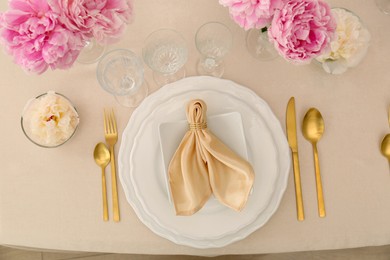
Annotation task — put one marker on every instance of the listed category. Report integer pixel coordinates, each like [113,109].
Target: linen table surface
[51,198]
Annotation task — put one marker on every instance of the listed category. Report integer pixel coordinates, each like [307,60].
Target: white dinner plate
[214,220]
[141,169]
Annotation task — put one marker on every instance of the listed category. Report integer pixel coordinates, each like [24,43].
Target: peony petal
[21,5]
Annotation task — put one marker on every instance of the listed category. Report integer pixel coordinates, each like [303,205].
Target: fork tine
[113,121]
[108,121]
[105,121]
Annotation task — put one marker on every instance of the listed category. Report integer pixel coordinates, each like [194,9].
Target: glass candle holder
[350,44]
[91,53]
[49,120]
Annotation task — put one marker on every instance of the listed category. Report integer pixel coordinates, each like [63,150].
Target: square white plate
[227,127]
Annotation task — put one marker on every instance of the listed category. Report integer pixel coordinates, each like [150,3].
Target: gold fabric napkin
[203,165]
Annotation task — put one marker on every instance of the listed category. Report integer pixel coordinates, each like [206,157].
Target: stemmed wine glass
[258,45]
[121,73]
[165,52]
[213,41]
[383,5]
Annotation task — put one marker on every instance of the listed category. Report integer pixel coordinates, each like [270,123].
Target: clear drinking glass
[213,41]
[383,5]
[165,52]
[91,52]
[121,73]
[258,45]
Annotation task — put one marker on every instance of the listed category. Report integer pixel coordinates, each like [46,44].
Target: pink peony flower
[252,13]
[302,29]
[105,20]
[31,34]
[62,48]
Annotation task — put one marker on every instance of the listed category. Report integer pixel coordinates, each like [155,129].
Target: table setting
[249,128]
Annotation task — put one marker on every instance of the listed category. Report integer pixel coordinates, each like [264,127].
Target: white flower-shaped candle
[350,44]
[49,120]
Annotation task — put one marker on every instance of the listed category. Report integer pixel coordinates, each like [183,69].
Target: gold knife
[291,127]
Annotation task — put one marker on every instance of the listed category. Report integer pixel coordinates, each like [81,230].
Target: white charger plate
[142,174]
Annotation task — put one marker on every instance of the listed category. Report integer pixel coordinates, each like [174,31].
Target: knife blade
[291,128]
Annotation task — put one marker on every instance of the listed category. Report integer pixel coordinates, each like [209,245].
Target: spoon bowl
[313,127]
[385,147]
[101,154]
[102,157]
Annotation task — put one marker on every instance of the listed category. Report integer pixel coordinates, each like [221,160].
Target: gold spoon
[385,147]
[312,128]
[102,157]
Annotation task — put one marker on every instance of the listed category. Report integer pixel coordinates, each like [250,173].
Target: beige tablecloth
[51,198]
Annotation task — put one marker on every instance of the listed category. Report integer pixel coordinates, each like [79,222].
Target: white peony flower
[350,44]
[52,119]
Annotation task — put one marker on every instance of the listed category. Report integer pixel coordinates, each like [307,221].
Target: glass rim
[176,32]
[216,23]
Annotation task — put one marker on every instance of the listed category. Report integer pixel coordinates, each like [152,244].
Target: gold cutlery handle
[298,188]
[320,194]
[115,201]
[388,116]
[104,193]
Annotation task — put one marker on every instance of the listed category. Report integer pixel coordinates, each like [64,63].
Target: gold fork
[111,135]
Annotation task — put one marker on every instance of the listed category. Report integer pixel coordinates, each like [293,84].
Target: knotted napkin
[202,165]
